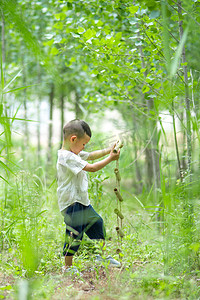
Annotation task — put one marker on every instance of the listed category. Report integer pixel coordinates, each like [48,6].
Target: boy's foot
[110,260]
[98,258]
[113,262]
[71,270]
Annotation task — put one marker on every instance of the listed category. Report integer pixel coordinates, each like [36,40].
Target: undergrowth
[157,262]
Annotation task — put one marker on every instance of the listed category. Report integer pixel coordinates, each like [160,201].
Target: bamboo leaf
[6,167]
[174,64]
[9,83]
[18,119]
[14,117]
[4,179]
[18,89]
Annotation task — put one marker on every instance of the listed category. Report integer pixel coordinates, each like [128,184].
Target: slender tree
[50,131]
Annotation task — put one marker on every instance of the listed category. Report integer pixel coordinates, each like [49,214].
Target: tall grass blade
[9,83]
[19,89]
[4,179]
[175,61]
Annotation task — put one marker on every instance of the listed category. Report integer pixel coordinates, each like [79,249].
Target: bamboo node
[119,232]
[118,195]
[118,251]
[119,145]
[117,174]
[117,212]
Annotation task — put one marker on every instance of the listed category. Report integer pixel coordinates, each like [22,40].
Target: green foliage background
[136,58]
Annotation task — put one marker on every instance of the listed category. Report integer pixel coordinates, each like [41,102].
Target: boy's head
[76,134]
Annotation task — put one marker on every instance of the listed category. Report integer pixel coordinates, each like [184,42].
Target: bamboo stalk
[117,212]
[119,145]
[117,174]
[118,251]
[119,232]
[118,195]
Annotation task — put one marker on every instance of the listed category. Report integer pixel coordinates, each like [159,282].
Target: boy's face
[78,144]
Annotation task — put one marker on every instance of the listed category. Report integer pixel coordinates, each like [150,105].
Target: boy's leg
[96,230]
[95,226]
[73,218]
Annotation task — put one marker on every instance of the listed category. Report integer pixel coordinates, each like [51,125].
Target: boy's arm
[99,153]
[101,164]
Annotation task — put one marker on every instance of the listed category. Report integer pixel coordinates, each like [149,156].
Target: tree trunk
[3,43]
[38,118]
[137,168]
[62,109]
[153,162]
[176,144]
[188,198]
[26,131]
[187,100]
[51,98]
[78,111]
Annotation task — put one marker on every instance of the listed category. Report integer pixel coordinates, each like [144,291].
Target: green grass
[157,264]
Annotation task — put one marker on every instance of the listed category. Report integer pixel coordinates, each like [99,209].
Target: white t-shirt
[72,180]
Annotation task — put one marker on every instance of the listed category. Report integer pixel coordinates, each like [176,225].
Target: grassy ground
[157,262]
[142,275]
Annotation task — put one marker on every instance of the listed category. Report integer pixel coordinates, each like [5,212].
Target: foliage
[138,58]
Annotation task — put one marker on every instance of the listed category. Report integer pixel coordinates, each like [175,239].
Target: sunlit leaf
[133,9]
[54,51]
[80,30]
[145,89]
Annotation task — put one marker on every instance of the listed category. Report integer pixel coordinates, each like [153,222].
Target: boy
[73,200]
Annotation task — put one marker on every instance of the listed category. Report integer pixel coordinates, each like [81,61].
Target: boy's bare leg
[68,261]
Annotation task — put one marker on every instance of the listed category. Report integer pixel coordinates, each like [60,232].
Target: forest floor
[98,282]
[142,280]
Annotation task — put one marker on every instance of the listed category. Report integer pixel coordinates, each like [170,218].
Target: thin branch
[143,149]
[184,11]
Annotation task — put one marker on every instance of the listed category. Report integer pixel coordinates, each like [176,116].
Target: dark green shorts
[79,219]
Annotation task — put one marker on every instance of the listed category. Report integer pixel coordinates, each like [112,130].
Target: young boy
[73,199]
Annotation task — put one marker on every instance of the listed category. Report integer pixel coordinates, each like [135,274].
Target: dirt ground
[91,283]
[98,283]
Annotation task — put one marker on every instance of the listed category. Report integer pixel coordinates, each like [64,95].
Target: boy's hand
[114,155]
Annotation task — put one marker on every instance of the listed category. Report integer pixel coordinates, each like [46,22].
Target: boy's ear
[73,138]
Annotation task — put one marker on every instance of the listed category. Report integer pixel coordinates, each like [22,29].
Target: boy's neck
[65,146]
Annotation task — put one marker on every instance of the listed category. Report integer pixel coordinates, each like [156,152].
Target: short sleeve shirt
[72,179]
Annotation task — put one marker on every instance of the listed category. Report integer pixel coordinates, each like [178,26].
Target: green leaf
[81,30]
[54,51]
[157,85]
[5,167]
[60,16]
[73,59]
[89,34]
[154,14]
[75,35]
[133,9]
[18,89]
[49,43]
[145,89]
[9,83]
[4,179]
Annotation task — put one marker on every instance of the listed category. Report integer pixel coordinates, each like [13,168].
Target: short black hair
[77,127]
